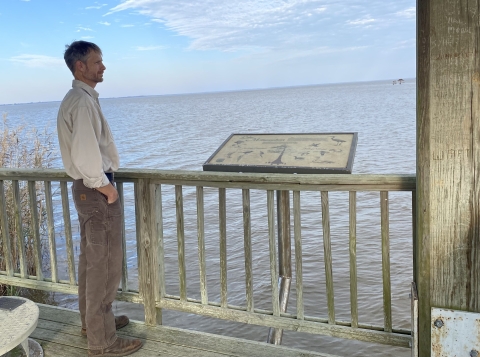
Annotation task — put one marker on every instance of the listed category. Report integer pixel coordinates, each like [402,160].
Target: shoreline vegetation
[22,147]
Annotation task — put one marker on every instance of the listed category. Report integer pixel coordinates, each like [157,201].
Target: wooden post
[447,264]
[148,250]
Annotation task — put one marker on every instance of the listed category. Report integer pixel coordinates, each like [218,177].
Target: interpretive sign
[285,153]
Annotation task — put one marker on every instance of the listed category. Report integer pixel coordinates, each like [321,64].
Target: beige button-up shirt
[86,142]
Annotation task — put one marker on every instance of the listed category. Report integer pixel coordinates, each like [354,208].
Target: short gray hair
[79,51]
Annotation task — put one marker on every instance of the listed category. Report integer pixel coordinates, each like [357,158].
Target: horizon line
[216,92]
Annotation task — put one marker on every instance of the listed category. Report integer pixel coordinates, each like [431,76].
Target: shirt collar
[79,84]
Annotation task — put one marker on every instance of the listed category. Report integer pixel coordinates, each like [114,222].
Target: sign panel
[285,153]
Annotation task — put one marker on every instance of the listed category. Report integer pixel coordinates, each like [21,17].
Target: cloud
[294,56]
[361,21]
[38,61]
[228,26]
[149,48]
[105,23]
[128,25]
[258,25]
[97,6]
[409,13]
[80,28]
[410,43]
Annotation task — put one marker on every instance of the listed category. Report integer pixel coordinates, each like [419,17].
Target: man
[90,157]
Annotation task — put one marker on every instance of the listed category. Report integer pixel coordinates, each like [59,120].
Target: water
[181,132]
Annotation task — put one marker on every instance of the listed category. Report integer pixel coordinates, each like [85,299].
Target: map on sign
[293,153]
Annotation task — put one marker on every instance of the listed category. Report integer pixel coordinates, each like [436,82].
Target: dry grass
[21,147]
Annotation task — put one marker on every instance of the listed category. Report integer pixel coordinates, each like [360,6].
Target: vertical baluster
[68,231]
[222,203]
[51,231]
[121,197]
[201,244]
[353,258]
[7,251]
[37,248]
[273,253]
[19,228]
[160,292]
[327,247]
[387,292]
[414,233]
[297,231]
[161,251]
[247,245]
[181,243]
[138,237]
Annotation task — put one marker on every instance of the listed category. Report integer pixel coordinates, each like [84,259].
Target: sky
[157,47]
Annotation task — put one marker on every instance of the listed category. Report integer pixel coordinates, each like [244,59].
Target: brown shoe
[122,347]
[120,321]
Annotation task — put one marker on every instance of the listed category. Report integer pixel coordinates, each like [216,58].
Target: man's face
[91,72]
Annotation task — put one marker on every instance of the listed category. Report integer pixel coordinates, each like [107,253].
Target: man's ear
[79,66]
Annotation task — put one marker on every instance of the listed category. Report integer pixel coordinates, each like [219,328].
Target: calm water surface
[181,132]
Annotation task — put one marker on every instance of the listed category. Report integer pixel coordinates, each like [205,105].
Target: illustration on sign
[300,153]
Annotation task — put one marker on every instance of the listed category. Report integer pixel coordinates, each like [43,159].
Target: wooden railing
[161,215]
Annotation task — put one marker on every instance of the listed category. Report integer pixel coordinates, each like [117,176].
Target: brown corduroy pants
[99,264]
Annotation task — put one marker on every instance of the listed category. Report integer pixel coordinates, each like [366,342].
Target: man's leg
[82,262]
[103,256]
[82,273]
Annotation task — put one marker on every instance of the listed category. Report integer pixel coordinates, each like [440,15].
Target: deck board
[58,331]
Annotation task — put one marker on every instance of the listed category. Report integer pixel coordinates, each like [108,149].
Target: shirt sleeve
[85,153]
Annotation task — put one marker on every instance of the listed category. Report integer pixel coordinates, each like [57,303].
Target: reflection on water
[181,132]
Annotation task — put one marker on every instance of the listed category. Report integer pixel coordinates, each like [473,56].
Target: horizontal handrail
[391,182]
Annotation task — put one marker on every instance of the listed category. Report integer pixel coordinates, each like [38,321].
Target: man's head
[84,59]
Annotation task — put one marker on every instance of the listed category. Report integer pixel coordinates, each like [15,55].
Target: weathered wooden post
[447,263]
[148,268]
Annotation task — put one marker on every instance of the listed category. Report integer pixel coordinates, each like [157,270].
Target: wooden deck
[58,332]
